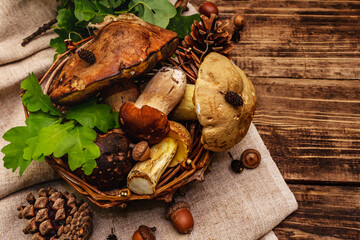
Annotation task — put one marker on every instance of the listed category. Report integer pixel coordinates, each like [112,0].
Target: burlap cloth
[225,206]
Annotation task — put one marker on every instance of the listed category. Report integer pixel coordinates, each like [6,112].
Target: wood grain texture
[325,212]
[304,59]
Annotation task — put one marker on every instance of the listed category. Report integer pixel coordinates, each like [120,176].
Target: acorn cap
[176,206]
[251,158]
[147,233]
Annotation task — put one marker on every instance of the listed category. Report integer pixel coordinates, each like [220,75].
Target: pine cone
[209,35]
[56,215]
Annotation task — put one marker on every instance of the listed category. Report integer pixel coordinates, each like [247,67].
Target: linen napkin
[225,206]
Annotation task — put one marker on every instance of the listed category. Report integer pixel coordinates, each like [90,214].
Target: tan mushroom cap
[224,125]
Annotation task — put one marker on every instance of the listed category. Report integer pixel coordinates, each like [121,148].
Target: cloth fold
[225,206]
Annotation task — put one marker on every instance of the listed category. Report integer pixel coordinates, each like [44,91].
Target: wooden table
[304,60]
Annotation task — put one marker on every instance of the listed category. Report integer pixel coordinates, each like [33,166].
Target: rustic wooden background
[304,60]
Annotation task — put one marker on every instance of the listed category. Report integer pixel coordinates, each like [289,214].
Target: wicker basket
[190,169]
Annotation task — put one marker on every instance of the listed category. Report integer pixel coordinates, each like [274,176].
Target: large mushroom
[122,49]
[146,119]
[224,101]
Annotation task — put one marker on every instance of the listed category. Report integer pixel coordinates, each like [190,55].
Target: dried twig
[38,32]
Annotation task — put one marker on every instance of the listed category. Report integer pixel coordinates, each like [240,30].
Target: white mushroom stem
[164,91]
[144,176]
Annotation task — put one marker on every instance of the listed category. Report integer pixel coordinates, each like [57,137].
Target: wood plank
[311,127]
[325,212]
[304,60]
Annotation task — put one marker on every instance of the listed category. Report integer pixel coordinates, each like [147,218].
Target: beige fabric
[225,206]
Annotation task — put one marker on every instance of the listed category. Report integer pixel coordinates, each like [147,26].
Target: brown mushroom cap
[224,124]
[123,49]
[145,123]
[176,206]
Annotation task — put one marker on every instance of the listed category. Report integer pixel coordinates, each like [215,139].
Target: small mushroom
[251,158]
[146,119]
[180,216]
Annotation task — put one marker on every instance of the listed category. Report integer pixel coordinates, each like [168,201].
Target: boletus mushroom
[146,119]
[124,48]
[144,176]
[114,163]
[223,100]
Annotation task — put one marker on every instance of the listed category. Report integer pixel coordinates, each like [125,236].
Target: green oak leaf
[80,147]
[49,137]
[84,9]
[157,12]
[35,122]
[66,19]
[18,136]
[14,151]
[92,115]
[182,24]
[112,3]
[116,119]
[58,42]
[103,9]
[34,99]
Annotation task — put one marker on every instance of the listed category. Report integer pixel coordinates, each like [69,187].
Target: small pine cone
[87,56]
[56,215]
[209,35]
[234,99]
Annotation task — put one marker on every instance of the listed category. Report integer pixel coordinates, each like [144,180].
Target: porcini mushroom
[114,163]
[144,176]
[218,90]
[146,119]
[122,49]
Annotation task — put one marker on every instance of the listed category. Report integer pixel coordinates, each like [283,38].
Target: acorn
[239,21]
[251,158]
[180,216]
[207,8]
[144,233]
[141,151]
